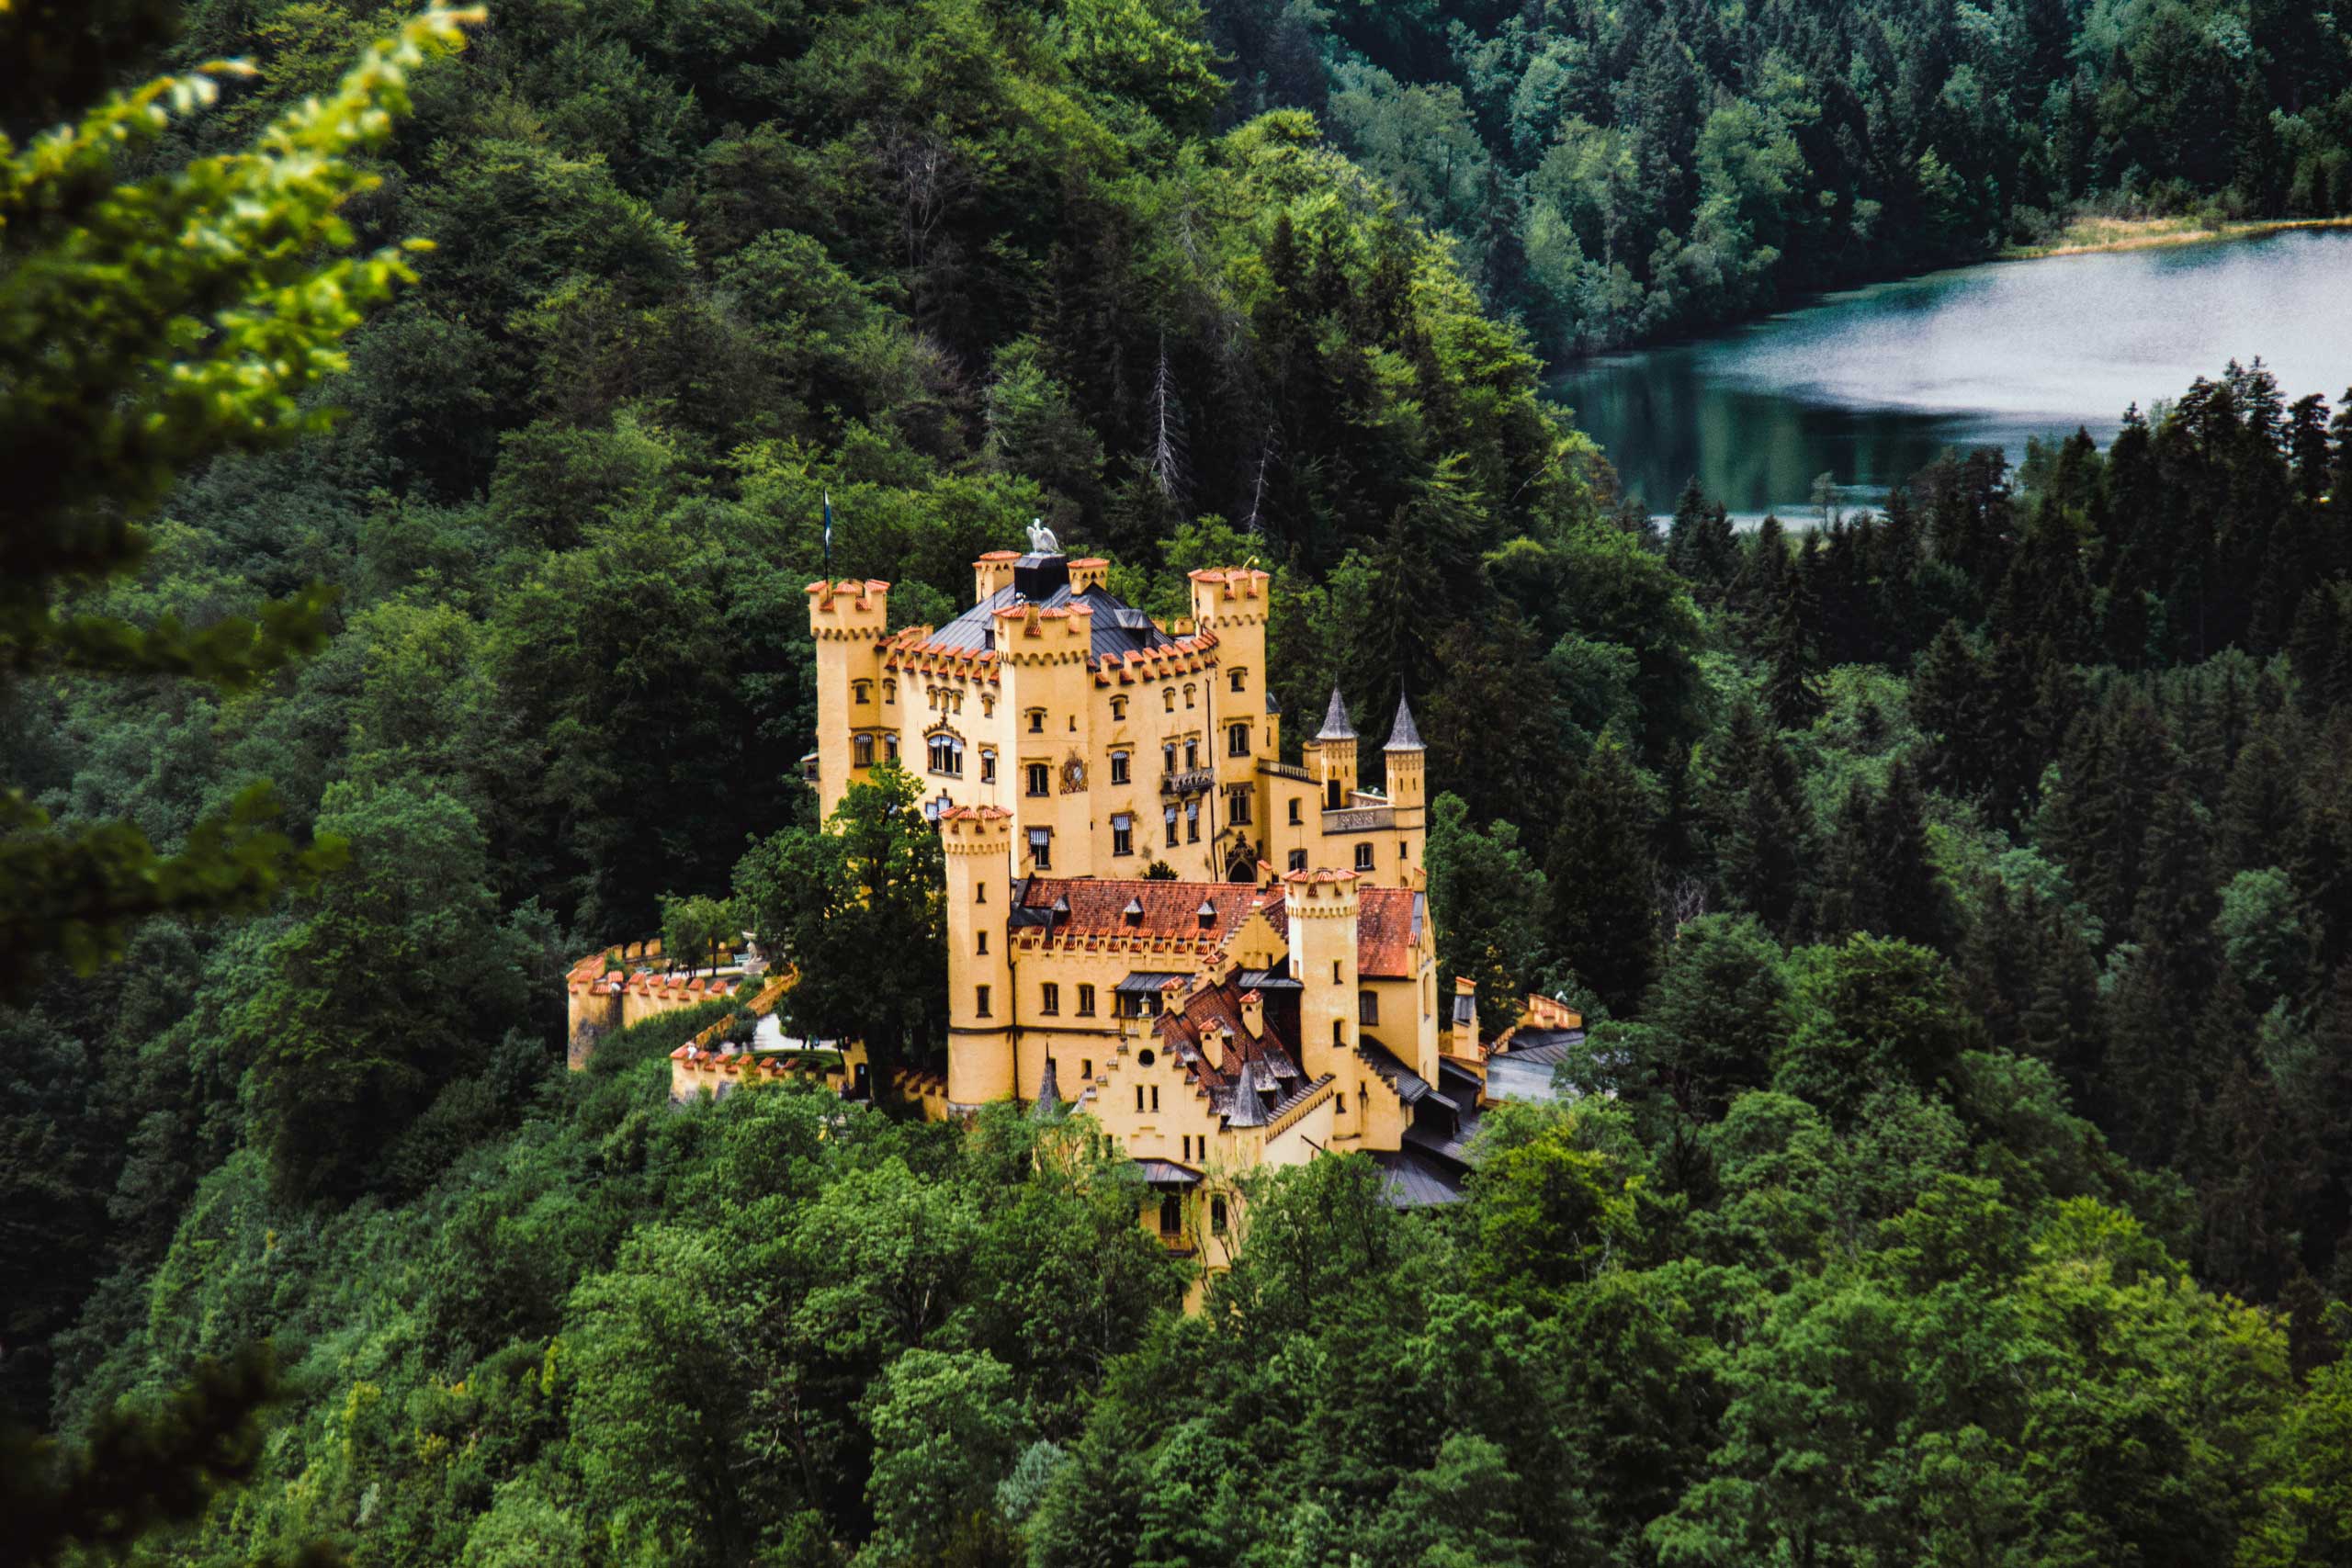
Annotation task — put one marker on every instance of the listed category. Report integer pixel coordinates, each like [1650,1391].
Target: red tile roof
[1387,919]
[1170,909]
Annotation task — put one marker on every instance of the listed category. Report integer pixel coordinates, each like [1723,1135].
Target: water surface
[1870,385]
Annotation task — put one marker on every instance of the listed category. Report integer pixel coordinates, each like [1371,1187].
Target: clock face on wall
[1073,775]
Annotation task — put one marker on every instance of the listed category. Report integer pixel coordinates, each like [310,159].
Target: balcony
[1360,819]
[1190,780]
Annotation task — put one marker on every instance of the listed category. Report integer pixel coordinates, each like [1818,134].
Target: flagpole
[828,534]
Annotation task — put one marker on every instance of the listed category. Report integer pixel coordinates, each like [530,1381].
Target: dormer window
[1133,913]
[1207,915]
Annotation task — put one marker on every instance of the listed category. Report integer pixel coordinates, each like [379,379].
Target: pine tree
[2259,800]
[2145,1093]
[1849,895]
[1757,822]
[1951,704]
[1997,962]
[2251,1174]
[2064,1022]
[2178,896]
[1914,905]
[1791,685]
[1604,920]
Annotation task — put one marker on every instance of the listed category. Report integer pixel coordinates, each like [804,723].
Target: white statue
[1041,538]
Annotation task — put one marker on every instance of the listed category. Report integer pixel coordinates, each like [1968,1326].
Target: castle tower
[1231,604]
[847,619]
[977,842]
[1322,908]
[1048,693]
[1408,791]
[1335,751]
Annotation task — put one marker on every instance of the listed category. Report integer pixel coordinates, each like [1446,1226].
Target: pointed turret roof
[1047,1107]
[1405,736]
[1335,723]
[1245,1110]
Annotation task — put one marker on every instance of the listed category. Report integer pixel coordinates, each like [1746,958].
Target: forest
[1611,171]
[1957,889]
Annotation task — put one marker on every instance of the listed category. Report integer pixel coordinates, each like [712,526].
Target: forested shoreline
[1612,172]
[1957,889]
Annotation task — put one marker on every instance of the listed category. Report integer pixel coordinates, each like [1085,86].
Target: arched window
[861,748]
[1118,709]
[1119,767]
[889,690]
[1037,721]
[1188,694]
[1237,740]
[1168,699]
[1364,857]
[947,755]
[1240,679]
[889,747]
[860,691]
[1192,755]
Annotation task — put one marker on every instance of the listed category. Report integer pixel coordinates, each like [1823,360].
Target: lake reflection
[1870,385]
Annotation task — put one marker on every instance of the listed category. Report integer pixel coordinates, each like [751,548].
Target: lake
[1870,385]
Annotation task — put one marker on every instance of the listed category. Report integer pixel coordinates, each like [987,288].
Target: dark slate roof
[1119,628]
[1335,723]
[1167,1173]
[1245,1106]
[1406,736]
[1412,1180]
[1047,1107]
[1267,980]
[1147,982]
[1411,1087]
[1543,1047]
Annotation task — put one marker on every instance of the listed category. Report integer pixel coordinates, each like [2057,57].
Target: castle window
[1041,778]
[1237,740]
[1123,834]
[1192,755]
[1168,757]
[1188,694]
[1240,679]
[860,691]
[1367,1008]
[982,896]
[1041,848]
[1086,1010]
[889,747]
[1294,812]
[1339,1032]
[984,944]
[1139,1100]
[1118,709]
[987,706]
[1049,998]
[1298,859]
[1168,699]
[947,755]
[1086,1069]
[1167,815]
[988,765]
[981,1000]
[1236,810]
[1171,1215]
[889,690]
[1037,721]
[1119,767]
[862,751]
[1155,1096]
[1364,857]
[1217,1214]
[1193,821]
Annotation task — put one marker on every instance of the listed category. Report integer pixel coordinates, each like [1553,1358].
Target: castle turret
[978,844]
[1408,791]
[1322,906]
[1231,604]
[847,619]
[1334,753]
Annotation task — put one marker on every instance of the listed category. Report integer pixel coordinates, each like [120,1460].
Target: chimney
[1253,1015]
[1216,1046]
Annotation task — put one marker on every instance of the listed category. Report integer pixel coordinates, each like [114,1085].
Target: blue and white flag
[828,532]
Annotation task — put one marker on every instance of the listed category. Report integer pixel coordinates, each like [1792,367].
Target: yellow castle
[1278,999]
